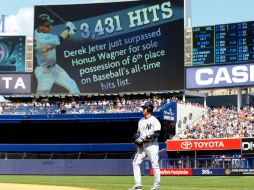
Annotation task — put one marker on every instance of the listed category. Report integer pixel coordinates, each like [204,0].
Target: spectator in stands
[1,110]
[222,123]
[63,108]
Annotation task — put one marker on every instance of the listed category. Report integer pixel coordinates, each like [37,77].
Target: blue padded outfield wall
[69,167]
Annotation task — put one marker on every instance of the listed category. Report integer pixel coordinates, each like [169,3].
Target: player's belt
[154,140]
[49,66]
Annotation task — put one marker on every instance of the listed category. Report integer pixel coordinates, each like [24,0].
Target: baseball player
[47,71]
[147,140]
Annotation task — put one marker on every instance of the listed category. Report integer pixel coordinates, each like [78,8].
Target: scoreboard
[223,44]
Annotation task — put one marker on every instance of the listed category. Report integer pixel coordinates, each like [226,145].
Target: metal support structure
[2,22]
[184,97]
[195,162]
[239,99]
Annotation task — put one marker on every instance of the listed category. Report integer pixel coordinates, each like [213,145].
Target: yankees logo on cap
[44,19]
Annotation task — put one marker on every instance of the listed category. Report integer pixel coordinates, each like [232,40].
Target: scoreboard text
[223,44]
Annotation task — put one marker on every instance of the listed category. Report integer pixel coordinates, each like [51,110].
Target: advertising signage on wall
[174,172]
[112,47]
[188,172]
[220,76]
[247,146]
[204,144]
[170,112]
[15,83]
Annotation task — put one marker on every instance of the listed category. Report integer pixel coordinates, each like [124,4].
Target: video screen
[12,54]
[111,47]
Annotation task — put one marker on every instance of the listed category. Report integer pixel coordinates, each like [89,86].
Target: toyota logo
[186,145]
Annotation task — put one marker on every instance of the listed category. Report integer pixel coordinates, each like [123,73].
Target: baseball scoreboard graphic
[119,47]
[223,56]
[12,53]
[223,44]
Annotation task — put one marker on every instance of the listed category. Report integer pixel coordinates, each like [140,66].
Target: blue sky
[210,12]
[204,12]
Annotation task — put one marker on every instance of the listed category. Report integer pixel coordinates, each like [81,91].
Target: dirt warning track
[14,186]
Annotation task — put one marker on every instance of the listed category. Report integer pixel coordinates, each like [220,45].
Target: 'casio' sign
[247,146]
[236,74]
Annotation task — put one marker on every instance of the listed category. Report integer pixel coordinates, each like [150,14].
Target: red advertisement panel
[173,171]
[203,144]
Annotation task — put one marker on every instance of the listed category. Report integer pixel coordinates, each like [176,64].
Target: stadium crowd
[219,122]
[223,122]
[119,105]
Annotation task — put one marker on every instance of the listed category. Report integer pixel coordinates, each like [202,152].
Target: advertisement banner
[204,144]
[15,83]
[174,172]
[220,76]
[239,171]
[208,172]
[247,146]
[170,112]
[111,47]
[12,54]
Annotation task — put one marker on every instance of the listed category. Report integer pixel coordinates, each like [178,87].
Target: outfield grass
[125,182]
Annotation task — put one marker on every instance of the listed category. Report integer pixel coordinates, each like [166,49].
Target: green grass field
[124,182]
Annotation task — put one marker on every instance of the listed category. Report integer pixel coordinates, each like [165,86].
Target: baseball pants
[152,153]
[47,76]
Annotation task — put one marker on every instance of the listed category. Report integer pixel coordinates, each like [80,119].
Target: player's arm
[45,41]
[138,140]
[64,35]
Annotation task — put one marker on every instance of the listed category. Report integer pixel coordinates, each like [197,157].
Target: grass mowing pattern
[125,182]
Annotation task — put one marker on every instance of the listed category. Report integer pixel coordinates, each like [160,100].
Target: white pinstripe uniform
[47,71]
[151,149]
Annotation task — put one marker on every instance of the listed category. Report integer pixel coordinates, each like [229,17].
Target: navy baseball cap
[44,19]
[148,105]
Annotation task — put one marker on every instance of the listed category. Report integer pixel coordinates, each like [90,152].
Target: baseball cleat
[155,188]
[136,188]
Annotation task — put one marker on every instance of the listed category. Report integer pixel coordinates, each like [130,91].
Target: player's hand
[139,140]
[71,28]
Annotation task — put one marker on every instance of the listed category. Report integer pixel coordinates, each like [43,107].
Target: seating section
[222,122]
[77,107]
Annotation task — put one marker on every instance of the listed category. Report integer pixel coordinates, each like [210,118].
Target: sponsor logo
[247,146]
[207,144]
[211,144]
[15,83]
[206,172]
[169,115]
[237,74]
[220,76]
[173,171]
[227,171]
[186,145]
